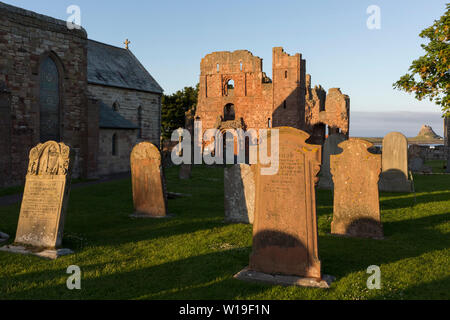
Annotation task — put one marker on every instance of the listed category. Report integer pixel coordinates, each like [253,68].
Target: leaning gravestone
[239,195]
[43,210]
[330,147]
[394,175]
[285,250]
[356,173]
[149,192]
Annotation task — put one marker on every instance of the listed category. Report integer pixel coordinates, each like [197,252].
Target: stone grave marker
[395,175]
[330,147]
[239,195]
[356,173]
[285,249]
[3,237]
[149,191]
[44,203]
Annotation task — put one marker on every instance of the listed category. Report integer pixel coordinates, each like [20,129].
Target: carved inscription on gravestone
[285,226]
[394,175]
[42,214]
[356,173]
[149,194]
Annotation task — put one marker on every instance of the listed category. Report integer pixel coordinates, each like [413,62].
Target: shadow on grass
[404,239]
[411,200]
[182,279]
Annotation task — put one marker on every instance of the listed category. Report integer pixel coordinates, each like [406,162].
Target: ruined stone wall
[251,96]
[285,100]
[26,38]
[120,162]
[128,102]
[289,89]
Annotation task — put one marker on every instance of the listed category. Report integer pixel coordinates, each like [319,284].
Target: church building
[56,84]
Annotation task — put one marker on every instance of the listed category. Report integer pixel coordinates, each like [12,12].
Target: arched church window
[116,106]
[49,100]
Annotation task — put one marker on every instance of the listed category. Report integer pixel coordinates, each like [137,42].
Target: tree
[429,75]
[174,108]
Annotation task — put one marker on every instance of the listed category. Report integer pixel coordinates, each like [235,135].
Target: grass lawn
[436,165]
[196,254]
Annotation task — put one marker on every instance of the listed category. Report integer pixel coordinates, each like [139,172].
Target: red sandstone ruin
[236,93]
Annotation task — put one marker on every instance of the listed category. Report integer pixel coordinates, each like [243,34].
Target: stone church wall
[109,163]
[26,38]
[129,102]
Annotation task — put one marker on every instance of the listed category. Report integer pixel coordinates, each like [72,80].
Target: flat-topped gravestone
[149,192]
[356,173]
[330,147]
[394,174]
[239,194]
[43,209]
[285,226]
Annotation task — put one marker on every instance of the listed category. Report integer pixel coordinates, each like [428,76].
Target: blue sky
[171,37]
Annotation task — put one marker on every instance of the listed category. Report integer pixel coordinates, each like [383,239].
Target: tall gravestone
[239,194]
[395,174]
[330,148]
[44,203]
[149,192]
[285,249]
[356,173]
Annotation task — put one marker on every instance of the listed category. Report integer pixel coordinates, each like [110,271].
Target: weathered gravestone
[416,160]
[330,147]
[239,194]
[356,173]
[394,174]
[285,250]
[3,237]
[43,210]
[149,192]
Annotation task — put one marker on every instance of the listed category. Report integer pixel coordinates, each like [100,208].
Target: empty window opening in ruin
[229,113]
[286,74]
[269,123]
[284,104]
[241,66]
[218,68]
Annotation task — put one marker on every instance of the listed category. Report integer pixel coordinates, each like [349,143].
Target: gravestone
[356,173]
[285,249]
[149,192]
[330,147]
[416,161]
[185,171]
[3,237]
[239,194]
[44,203]
[394,174]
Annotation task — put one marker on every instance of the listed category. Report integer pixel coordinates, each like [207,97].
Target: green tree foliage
[429,76]
[174,108]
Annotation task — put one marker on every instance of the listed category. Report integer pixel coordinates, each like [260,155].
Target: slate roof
[110,119]
[118,67]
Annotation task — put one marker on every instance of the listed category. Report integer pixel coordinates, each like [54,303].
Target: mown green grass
[436,165]
[196,254]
